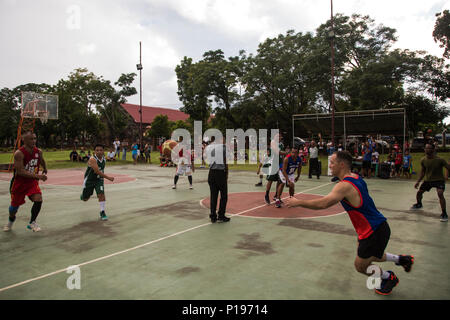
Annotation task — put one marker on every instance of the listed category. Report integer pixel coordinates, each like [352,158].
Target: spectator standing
[134,152]
[116,144]
[124,150]
[313,160]
[367,160]
[407,164]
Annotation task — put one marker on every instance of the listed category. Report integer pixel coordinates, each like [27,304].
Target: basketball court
[159,243]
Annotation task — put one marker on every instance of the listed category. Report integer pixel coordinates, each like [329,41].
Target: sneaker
[174,187]
[8,227]
[334,179]
[406,262]
[213,218]
[417,206]
[388,284]
[191,187]
[258,184]
[223,219]
[444,217]
[34,227]
[103,216]
[267,199]
[278,203]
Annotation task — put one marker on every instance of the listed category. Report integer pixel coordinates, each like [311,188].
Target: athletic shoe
[406,262]
[213,218]
[103,216]
[334,179]
[444,217]
[174,187]
[259,184]
[191,187]
[278,203]
[34,227]
[267,199]
[417,206]
[388,284]
[309,177]
[223,219]
[8,227]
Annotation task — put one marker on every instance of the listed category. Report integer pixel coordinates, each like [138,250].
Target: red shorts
[18,196]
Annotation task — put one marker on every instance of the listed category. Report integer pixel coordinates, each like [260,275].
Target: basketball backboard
[38,105]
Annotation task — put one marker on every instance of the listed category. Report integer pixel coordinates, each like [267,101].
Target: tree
[160,127]
[109,105]
[281,77]
[441,32]
[423,113]
[193,91]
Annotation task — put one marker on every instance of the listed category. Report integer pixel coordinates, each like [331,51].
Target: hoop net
[43,116]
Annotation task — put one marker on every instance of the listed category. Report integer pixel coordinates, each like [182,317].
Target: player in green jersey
[94,177]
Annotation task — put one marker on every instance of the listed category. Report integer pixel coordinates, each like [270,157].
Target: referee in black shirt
[216,154]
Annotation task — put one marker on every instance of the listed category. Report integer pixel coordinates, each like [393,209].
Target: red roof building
[149,113]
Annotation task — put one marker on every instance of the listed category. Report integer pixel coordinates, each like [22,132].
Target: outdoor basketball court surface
[159,243]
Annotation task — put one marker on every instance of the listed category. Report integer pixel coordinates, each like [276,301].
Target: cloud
[45,40]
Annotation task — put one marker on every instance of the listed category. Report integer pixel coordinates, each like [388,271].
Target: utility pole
[331,36]
[139,67]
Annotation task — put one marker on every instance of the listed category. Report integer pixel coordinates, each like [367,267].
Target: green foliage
[441,32]
[291,74]
[160,127]
[87,104]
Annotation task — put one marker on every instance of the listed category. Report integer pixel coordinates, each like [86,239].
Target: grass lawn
[60,160]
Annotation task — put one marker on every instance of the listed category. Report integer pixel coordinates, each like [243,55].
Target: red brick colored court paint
[73,177]
[252,205]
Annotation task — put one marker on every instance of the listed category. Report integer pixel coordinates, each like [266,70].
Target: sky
[42,41]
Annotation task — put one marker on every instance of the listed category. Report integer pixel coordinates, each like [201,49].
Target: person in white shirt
[313,160]
[116,144]
[111,156]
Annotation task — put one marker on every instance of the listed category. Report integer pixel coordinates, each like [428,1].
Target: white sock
[102,205]
[385,275]
[392,257]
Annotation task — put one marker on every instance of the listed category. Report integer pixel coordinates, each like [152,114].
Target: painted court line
[134,248]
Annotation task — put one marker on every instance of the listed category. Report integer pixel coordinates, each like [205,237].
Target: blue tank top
[365,218]
[292,164]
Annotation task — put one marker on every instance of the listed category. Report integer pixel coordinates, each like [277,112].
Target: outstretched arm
[337,194]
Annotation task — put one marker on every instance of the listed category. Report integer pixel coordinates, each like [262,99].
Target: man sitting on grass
[111,155]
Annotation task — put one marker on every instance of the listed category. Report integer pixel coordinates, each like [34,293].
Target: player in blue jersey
[291,163]
[370,225]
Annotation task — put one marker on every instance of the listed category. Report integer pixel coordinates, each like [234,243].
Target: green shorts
[89,188]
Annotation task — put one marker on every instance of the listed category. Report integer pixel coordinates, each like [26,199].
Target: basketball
[167,147]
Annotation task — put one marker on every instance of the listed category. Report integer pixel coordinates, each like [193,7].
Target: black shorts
[427,185]
[367,164]
[376,243]
[273,177]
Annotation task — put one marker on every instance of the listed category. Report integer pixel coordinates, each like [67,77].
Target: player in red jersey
[25,182]
[370,224]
